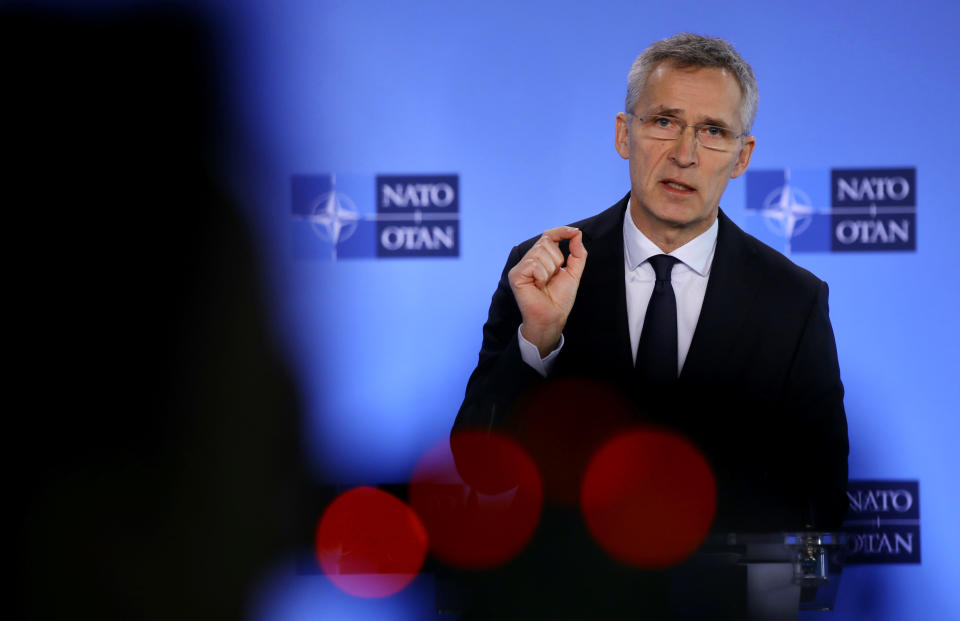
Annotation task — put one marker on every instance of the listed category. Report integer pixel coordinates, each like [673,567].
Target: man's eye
[715,132]
[663,121]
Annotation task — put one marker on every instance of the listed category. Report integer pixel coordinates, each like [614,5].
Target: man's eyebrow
[707,120]
[667,111]
[678,112]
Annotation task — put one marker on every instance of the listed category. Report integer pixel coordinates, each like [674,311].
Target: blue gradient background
[519,100]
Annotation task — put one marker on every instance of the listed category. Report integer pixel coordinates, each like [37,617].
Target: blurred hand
[544,289]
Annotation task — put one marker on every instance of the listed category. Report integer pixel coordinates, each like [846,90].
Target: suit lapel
[734,279]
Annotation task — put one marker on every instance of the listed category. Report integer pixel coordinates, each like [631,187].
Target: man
[709,332]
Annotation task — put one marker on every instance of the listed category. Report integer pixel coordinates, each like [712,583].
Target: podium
[786,572]
[759,576]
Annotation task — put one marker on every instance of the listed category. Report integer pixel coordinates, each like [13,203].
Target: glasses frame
[696,130]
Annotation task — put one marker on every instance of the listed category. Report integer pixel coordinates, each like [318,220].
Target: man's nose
[685,147]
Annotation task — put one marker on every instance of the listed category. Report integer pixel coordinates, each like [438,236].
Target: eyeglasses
[711,137]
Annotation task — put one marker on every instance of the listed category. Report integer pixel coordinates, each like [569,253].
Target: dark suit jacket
[759,394]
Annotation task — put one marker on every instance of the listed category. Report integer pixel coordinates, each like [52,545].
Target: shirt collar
[696,254]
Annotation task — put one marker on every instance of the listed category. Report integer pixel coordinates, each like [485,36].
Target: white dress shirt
[689,278]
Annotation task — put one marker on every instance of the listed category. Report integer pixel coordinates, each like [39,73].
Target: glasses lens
[664,127]
[713,137]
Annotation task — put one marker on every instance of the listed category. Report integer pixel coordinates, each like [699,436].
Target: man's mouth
[677,186]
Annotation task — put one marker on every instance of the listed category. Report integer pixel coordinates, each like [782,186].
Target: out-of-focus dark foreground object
[158,465]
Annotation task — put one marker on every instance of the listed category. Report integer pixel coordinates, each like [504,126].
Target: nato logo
[357,216]
[849,210]
[883,522]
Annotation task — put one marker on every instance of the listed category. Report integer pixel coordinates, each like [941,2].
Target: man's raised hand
[545,289]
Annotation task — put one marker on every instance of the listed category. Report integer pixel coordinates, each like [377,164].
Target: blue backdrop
[518,100]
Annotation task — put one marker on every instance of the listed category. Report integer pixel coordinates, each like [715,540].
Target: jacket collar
[731,290]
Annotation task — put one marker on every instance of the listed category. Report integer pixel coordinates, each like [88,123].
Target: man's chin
[674,216]
[684,219]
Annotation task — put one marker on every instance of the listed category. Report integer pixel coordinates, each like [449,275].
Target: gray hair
[689,50]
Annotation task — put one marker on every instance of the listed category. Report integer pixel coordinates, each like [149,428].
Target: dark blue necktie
[657,352]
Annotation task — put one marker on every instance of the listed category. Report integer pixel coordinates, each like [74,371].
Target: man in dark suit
[706,330]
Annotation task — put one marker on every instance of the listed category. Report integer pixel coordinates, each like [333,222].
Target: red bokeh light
[649,498]
[479,496]
[563,423]
[369,543]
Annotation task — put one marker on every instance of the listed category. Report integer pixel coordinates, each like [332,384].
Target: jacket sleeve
[815,395]
[501,376]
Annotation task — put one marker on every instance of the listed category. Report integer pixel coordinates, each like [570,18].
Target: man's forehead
[666,79]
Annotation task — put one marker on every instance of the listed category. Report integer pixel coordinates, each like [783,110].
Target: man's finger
[550,260]
[578,256]
[531,269]
[560,233]
[542,274]
[551,247]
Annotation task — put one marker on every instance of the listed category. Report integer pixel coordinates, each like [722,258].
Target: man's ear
[621,139]
[743,158]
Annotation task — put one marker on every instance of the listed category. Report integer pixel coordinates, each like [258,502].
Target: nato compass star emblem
[787,210]
[334,216]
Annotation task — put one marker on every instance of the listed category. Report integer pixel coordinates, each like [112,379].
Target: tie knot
[663,265]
